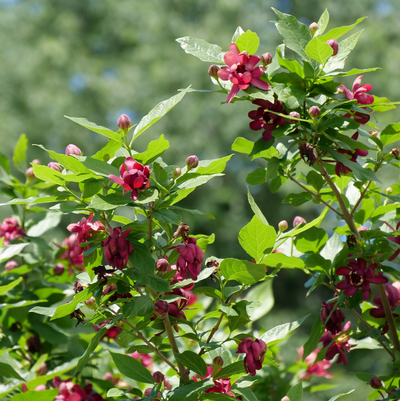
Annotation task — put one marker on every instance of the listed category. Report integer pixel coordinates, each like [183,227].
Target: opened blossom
[264,117]
[255,352]
[332,317]
[134,177]
[190,258]
[10,229]
[359,92]
[314,368]
[85,228]
[117,248]
[359,276]
[222,386]
[241,70]
[111,333]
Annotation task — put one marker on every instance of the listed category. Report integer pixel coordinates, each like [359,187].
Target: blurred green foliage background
[101,58]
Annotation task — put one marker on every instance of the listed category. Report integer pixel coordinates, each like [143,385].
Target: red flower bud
[298,220]
[266,59]
[158,377]
[335,46]
[55,166]
[283,225]
[73,150]
[313,28]
[192,162]
[11,264]
[218,362]
[124,122]
[375,383]
[29,173]
[176,173]
[294,114]
[213,71]
[314,111]
[162,265]
[35,161]
[161,307]
[91,303]
[59,269]
[42,370]
[285,398]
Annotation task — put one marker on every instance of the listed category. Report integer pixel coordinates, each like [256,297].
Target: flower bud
[29,173]
[283,225]
[340,90]
[158,377]
[59,269]
[395,152]
[161,307]
[298,220]
[375,383]
[314,111]
[294,114]
[373,133]
[10,265]
[285,398]
[42,370]
[389,190]
[73,150]
[313,28]
[266,59]
[162,265]
[213,71]
[335,46]
[167,384]
[124,122]
[91,303]
[55,166]
[176,173]
[192,162]
[35,161]
[218,362]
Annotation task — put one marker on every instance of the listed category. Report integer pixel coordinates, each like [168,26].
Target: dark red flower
[359,275]
[134,175]
[241,71]
[190,258]
[117,248]
[359,92]
[222,386]
[264,117]
[255,351]
[10,229]
[336,317]
[316,369]
[85,228]
[111,333]
[393,295]
[337,344]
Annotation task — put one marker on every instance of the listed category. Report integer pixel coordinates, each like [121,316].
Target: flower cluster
[190,258]
[134,175]
[10,229]
[241,70]
[255,351]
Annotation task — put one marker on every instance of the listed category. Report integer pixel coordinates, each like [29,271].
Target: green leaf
[242,145]
[98,167]
[8,371]
[131,368]
[141,258]
[231,369]
[345,48]
[44,395]
[315,179]
[109,202]
[158,112]
[191,391]
[115,392]
[10,251]
[153,282]
[256,237]
[382,104]
[94,342]
[97,128]
[201,49]
[353,71]
[196,182]
[311,240]
[45,173]
[319,50]
[154,149]
[34,200]
[192,361]
[108,151]
[40,310]
[257,177]
[297,199]
[9,286]
[296,392]
[291,65]
[281,261]
[390,134]
[340,395]
[333,246]
[239,31]
[256,210]
[209,291]
[21,147]
[322,23]
[138,306]
[67,309]
[336,33]
[49,221]
[279,333]
[293,96]
[262,293]
[242,271]
[295,35]
[214,166]
[311,344]
[248,41]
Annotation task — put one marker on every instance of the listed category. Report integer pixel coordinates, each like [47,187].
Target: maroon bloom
[264,117]
[190,258]
[393,295]
[337,345]
[134,175]
[332,319]
[117,248]
[358,275]
[307,153]
[111,333]
[222,386]
[359,92]
[85,228]
[10,229]
[255,351]
[241,71]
